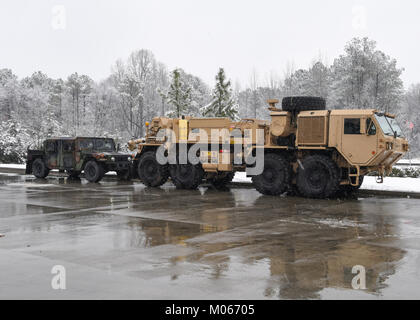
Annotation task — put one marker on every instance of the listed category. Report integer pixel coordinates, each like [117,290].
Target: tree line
[140,88]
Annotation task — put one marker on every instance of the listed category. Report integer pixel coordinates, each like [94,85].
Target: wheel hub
[184,170]
[317,178]
[151,168]
[268,174]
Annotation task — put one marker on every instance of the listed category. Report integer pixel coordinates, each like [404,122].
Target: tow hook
[380,179]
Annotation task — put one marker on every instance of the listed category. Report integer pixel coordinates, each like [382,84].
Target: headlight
[112,158]
[129,158]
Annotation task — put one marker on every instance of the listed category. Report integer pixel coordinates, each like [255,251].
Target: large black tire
[221,179]
[186,176]
[73,173]
[297,104]
[318,177]
[94,172]
[276,176]
[150,172]
[40,169]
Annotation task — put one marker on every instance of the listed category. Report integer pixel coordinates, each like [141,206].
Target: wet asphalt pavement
[124,241]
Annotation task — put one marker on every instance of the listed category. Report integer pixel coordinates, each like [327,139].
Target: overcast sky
[61,37]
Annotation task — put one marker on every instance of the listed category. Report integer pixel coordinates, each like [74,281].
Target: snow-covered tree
[364,77]
[73,85]
[408,116]
[14,139]
[200,93]
[37,106]
[223,102]
[138,82]
[178,96]
[9,94]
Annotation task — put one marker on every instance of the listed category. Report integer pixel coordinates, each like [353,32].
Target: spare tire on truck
[297,104]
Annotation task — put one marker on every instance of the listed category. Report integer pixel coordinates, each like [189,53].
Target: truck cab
[367,139]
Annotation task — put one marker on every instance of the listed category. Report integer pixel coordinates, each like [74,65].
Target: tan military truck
[305,147]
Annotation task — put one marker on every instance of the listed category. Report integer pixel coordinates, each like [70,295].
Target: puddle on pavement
[280,247]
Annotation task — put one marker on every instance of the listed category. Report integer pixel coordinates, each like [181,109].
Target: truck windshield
[104,145]
[388,125]
[86,144]
[394,125]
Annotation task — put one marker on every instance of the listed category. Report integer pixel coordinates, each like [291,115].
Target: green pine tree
[178,96]
[223,103]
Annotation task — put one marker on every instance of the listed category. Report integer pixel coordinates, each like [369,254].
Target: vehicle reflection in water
[283,247]
[306,245]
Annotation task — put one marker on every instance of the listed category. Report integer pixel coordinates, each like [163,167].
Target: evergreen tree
[223,103]
[178,96]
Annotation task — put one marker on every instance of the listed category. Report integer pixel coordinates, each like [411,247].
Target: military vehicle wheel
[150,172]
[221,179]
[186,176]
[39,168]
[94,172]
[124,175]
[318,177]
[73,173]
[298,104]
[276,176]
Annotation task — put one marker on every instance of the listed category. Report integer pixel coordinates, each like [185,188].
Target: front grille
[120,158]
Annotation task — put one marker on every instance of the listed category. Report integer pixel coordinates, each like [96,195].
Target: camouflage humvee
[94,156]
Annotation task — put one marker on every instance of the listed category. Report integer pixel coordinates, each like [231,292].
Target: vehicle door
[67,151]
[51,151]
[358,145]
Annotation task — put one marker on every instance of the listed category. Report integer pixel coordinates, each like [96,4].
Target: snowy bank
[12,166]
[392,184]
[369,183]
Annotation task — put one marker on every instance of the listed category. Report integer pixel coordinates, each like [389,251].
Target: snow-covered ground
[12,166]
[392,184]
[369,183]
[409,161]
